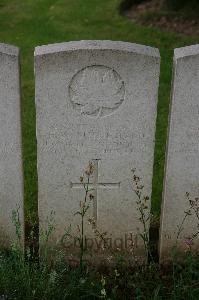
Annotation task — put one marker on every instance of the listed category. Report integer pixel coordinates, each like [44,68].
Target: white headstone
[182,164]
[11,175]
[95,101]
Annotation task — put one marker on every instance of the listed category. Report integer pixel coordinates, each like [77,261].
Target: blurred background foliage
[182,4]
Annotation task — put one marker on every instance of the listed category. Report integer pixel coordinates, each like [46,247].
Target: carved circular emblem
[96,91]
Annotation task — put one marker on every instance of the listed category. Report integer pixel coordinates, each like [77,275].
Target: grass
[28,23]
[24,279]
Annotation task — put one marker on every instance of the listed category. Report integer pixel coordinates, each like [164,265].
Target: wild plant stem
[86,187]
[82,244]
[181,226]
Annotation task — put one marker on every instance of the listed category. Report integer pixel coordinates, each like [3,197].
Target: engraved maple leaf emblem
[96,91]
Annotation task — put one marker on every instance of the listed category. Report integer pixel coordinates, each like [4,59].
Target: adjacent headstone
[95,101]
[182,164]
[11,175]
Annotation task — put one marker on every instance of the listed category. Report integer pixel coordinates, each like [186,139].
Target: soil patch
[150,13]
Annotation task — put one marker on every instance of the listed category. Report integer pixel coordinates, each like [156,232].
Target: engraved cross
[95,185]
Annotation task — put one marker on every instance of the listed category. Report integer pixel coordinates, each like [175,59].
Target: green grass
[29,280]
[28,23]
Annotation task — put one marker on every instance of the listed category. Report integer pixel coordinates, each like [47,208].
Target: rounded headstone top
[186,51]
[9,49]
[97,45]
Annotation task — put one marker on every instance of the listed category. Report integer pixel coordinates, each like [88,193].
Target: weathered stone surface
[11,175]
[181,172]
[95,101]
